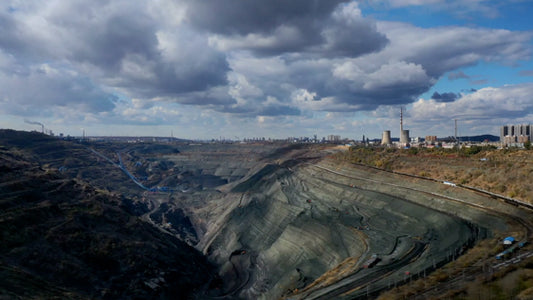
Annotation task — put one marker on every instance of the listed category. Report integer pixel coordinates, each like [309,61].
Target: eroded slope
[62,238]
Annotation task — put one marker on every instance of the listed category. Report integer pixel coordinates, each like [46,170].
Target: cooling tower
[385,140]
[404,137]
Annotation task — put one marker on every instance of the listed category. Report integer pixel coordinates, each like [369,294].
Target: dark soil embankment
[62,238]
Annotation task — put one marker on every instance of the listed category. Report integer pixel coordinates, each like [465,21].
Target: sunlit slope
[505,172]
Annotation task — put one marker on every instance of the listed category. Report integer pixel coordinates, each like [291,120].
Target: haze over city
[205,69]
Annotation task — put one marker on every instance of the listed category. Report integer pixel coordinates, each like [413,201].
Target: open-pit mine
[290,221]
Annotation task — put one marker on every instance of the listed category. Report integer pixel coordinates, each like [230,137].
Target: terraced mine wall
[288,222]
[300,222]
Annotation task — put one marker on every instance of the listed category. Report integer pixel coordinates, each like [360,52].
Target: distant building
[334,138]
[431,139]
[516,134]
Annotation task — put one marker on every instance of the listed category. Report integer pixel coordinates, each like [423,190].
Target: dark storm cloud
[261,109]
[173,78]
[216,98]
[231,17]
[323,28]
[445,97]
[351,38]
[277,110]
[105,44]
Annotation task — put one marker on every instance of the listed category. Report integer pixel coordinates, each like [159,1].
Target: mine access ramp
[372,261]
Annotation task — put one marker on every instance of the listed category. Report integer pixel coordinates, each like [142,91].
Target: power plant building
[386,139]
[404,137]
[516,134]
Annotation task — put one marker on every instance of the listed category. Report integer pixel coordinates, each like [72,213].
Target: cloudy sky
[252,68]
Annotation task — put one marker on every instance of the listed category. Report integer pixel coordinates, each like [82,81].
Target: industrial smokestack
[35,123]
[401,119]
[404,134]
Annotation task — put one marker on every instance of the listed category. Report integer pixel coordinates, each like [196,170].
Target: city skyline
[265,68]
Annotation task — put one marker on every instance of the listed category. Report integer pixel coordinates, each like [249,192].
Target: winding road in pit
[154,203]
[359,280]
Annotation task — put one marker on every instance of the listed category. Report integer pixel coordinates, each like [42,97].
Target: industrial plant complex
[516,135]
[510,136]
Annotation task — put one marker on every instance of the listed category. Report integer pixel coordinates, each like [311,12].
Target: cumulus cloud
[445,49]
[132,60]
[120,44]
[409,65]
[494,106]
[397,74]
[42,88]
